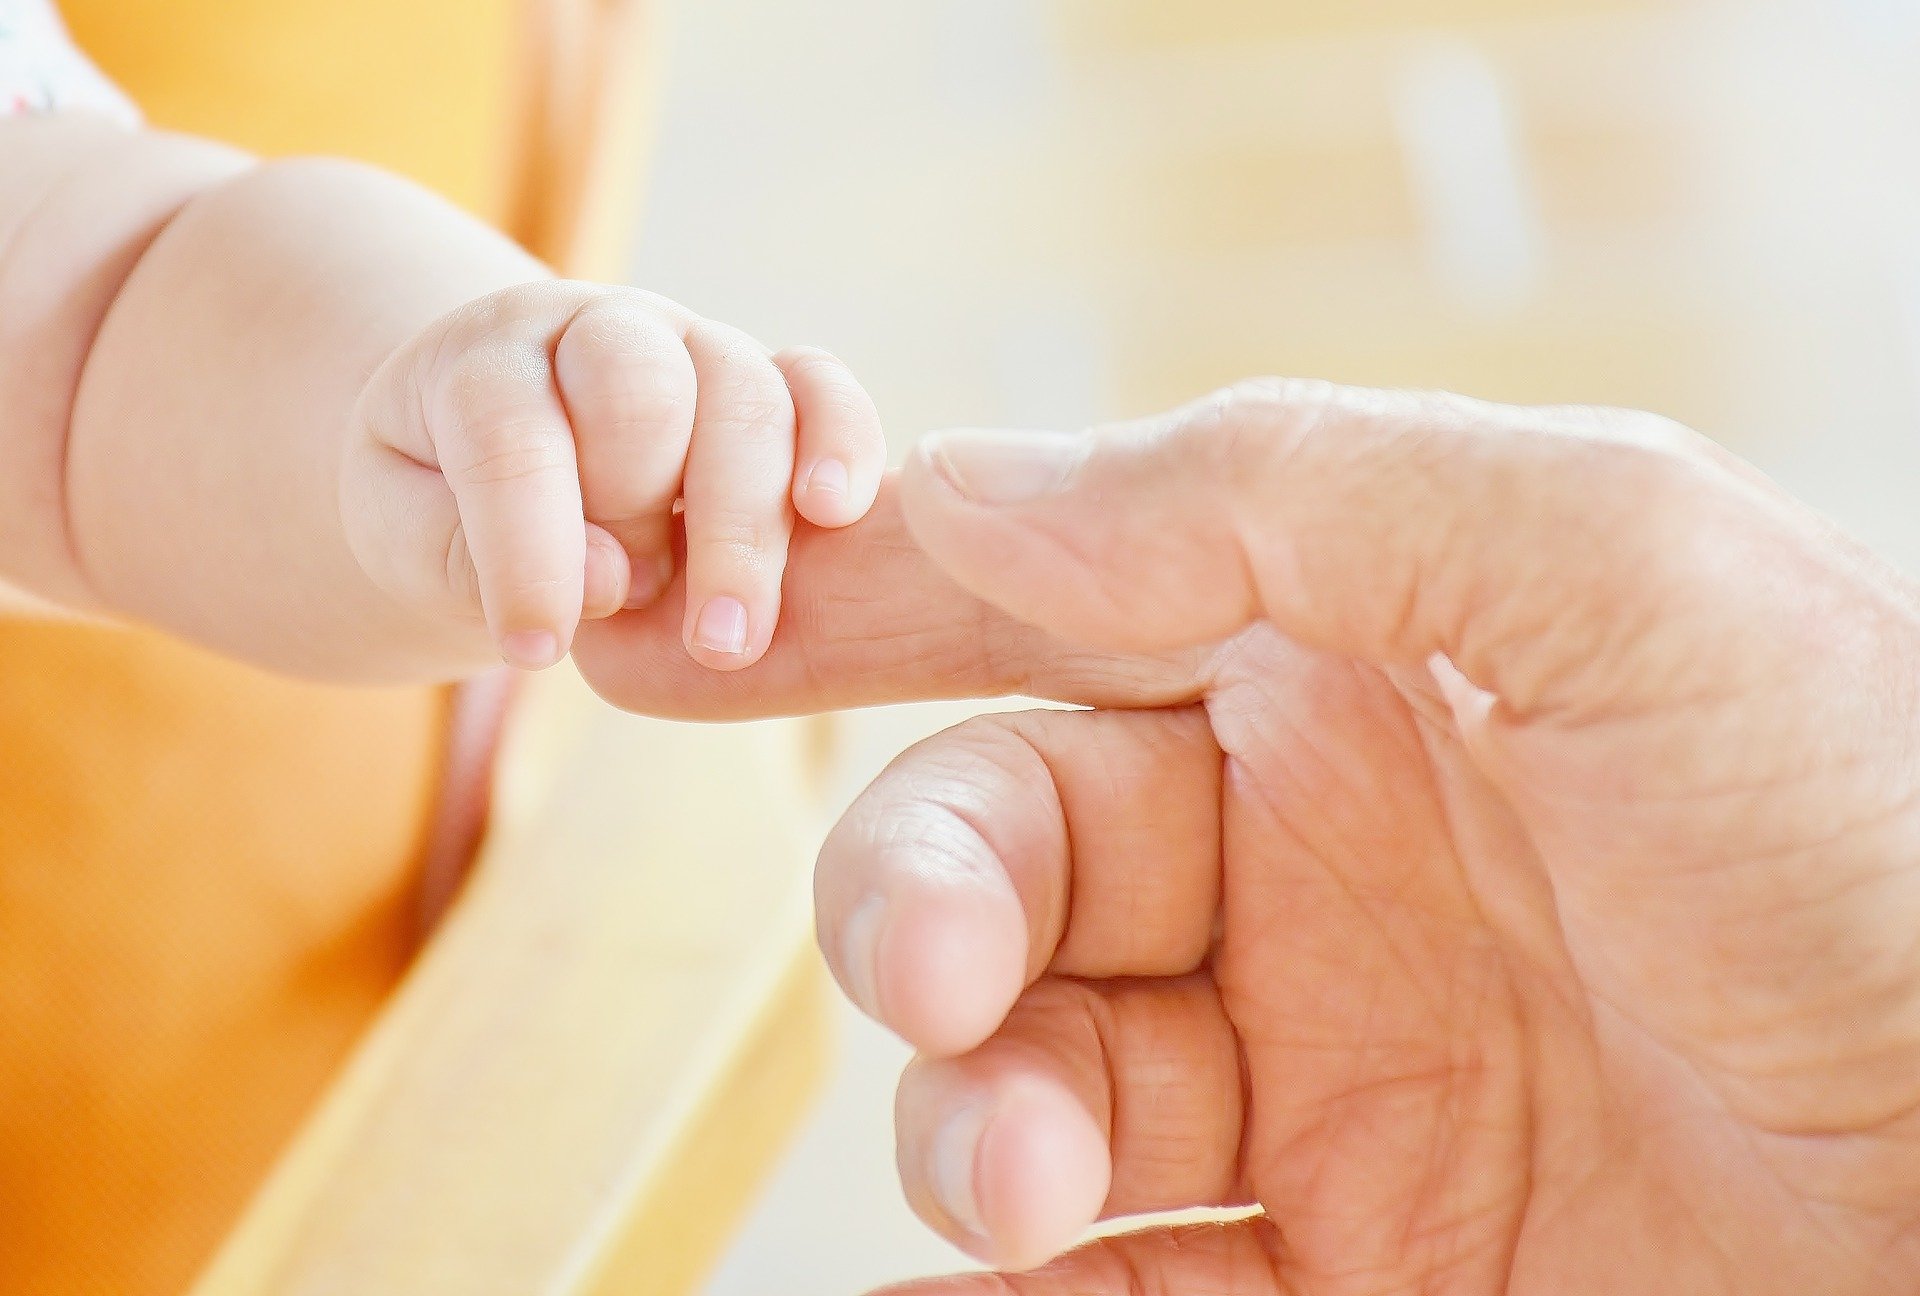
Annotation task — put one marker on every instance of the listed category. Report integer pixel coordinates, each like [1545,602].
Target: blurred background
[1049,212]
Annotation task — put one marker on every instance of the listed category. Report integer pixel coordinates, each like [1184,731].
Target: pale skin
[1492,854]
[1490,851]
[309,416]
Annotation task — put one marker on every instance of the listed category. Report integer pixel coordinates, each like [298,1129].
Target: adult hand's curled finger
[1529,905]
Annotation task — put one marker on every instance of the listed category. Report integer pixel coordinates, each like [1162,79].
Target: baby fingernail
[651,576]
[829,477]
[722,627]
[990,467]
[531,650]
[860,954]
[956,1156]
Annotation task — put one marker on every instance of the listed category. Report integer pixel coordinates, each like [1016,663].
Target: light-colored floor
[832,1222]
[1044,212]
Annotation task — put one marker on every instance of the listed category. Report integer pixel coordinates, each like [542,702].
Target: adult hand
[1496,856]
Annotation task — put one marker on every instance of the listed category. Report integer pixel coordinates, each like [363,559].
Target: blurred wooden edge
[587,95]
[594,1063]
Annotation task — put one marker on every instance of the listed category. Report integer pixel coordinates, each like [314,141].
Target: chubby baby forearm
[310,416]
[210,406]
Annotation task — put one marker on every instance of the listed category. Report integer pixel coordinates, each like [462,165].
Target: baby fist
[519,466]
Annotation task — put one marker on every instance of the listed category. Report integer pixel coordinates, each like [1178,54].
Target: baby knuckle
[515,450]
[752,407]
[522,584]
[804,363]
[629,373]
[493,332]
[845,417]
[482,380]
[734,531]
[643,398]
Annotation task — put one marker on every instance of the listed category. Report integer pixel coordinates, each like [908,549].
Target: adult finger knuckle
[991,774]
[1607,425]
[1003,745]
[1663,487]
[1252,424]
[1666,518]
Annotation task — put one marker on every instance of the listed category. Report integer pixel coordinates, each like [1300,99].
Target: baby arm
[308,415]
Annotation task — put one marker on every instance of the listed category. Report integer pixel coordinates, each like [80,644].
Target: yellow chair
[598,1055]
[574,1086]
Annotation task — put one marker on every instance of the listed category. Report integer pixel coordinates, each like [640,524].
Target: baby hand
[517,468]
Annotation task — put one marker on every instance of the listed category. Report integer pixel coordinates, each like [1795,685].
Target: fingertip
[607,585]
[1008,1164]
[842,447]
[531,650]
[648,578]
[823,493]
[721,633]
[1041,1176]
[948,967]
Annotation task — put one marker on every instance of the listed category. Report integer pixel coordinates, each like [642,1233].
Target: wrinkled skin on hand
[1494,853]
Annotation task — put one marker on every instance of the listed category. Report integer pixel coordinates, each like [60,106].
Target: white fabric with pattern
[41,71]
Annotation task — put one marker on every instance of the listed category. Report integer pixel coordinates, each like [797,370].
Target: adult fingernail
[956,1157]
[860,954]
[531,650]
[651,576]
[991,467]
[828,477]
[722,627]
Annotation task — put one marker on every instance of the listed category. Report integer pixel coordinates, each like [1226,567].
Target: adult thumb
[1528,546]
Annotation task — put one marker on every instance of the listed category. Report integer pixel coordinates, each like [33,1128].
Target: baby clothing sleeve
[41,71]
